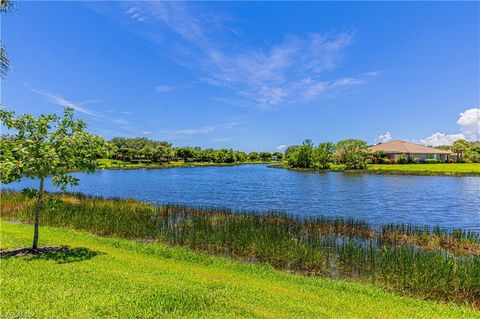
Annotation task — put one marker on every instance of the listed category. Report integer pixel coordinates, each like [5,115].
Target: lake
[429,200]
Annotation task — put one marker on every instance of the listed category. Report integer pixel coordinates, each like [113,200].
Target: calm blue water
[430,200]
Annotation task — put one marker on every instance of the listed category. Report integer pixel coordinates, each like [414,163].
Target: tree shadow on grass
[60,255]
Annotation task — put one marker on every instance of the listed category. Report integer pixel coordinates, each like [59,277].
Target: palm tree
[4,62]
[5,5]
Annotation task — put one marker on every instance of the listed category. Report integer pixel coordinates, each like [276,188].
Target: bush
[430,161]
[403,159]
[386,160]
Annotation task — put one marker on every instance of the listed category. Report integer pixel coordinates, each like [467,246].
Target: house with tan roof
[394,149]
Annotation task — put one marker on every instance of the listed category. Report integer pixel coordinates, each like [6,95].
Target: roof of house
[403,147]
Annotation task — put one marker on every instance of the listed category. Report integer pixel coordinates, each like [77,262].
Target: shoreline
[179,165]
[375,171]
[325,247]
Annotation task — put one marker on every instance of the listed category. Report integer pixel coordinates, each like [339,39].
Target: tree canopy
[47,146]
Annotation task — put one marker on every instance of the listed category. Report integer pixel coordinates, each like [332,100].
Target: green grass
[448,169]
[441,168]
[426,263]
[125,279]
[105,163]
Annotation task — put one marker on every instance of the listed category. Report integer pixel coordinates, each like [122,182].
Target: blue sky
[251,76]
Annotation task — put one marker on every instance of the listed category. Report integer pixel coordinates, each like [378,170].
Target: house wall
[423,157]
[420,157]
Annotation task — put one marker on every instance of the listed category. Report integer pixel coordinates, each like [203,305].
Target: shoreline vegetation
[440,169]
[119,278]
[431,263]
[116,164]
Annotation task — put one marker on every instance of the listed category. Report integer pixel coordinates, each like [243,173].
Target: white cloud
[469,122]
[288,72]
[383,138]
[281,147]
[437,139]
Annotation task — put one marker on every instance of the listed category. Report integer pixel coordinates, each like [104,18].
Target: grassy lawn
[446,168]
[113,278]
[449,169]
[118,164]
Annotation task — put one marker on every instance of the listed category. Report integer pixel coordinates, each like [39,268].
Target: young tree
[48,146]
[460,147]
[353,153]
[323,154]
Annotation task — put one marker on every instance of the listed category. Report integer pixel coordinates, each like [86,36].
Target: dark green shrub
[430,161]
[403,159]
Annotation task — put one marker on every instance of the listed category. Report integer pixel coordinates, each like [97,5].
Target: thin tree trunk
[37,214]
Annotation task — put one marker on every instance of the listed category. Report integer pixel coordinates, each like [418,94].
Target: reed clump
[432,263]
[453,241]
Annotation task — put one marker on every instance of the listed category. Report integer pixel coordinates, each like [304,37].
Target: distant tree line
[141,149]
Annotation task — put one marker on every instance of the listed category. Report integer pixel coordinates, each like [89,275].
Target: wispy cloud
[164,88]
[181,133]
[187,131]
[290,71]
[120,121]
[221,139]
[120,112]
[58,99]
[281,147]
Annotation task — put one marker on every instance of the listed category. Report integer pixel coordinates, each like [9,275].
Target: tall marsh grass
[405,259]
